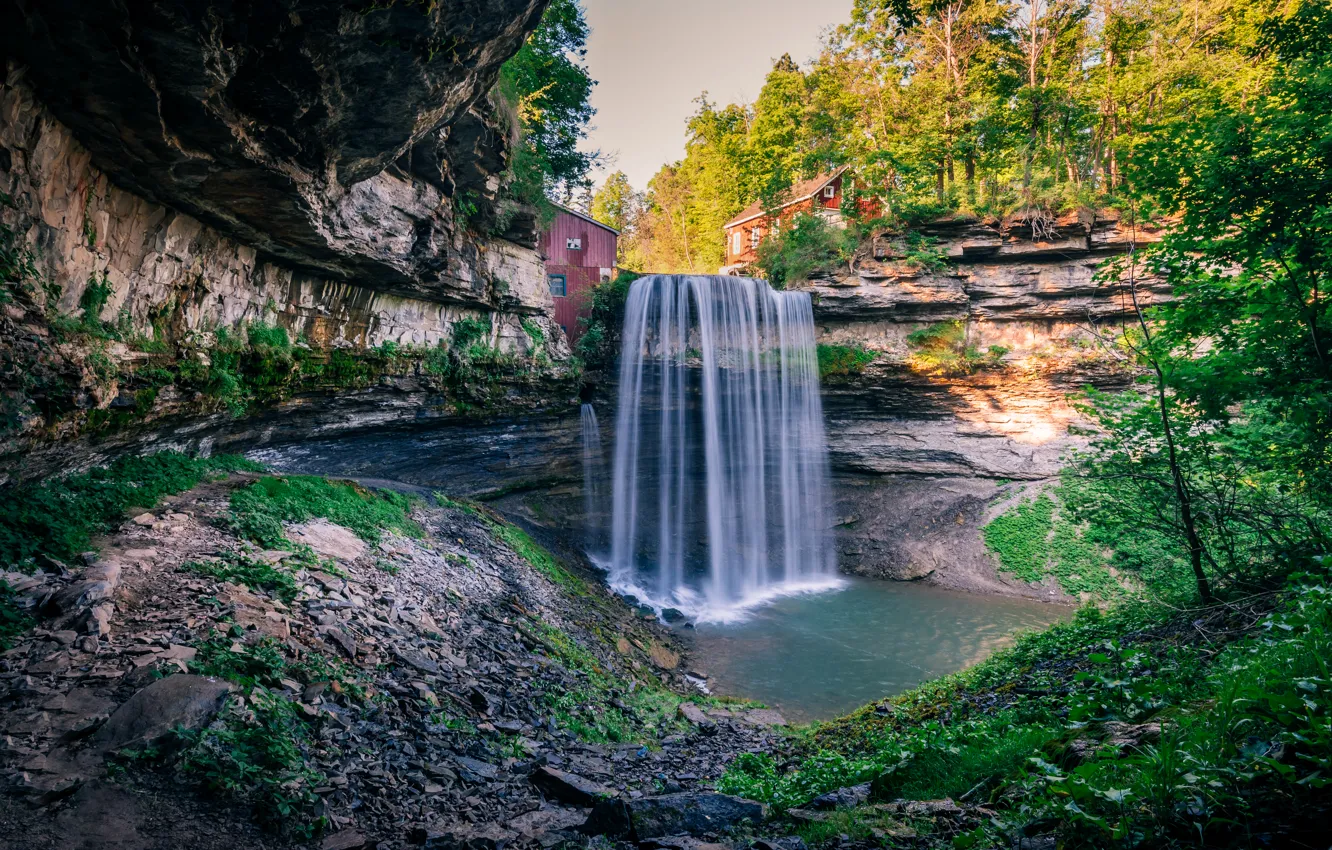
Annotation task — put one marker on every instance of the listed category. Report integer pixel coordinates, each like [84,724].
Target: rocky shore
[439,690]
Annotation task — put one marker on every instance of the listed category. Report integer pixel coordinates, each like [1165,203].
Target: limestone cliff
[924,439]
[173,173]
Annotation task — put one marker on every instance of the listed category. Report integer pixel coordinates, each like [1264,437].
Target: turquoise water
[817,656]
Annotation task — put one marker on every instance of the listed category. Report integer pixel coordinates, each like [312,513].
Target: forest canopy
[975,106]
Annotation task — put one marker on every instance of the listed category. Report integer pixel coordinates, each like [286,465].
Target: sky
[651,58]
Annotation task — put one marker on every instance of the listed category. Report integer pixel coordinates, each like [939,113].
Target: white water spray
[720,486]
[594,461]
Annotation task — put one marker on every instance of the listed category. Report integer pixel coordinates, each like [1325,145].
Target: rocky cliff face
[175,173]
[330,136]
[931,432]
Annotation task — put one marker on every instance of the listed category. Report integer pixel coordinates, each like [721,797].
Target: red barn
[821,196]
[580,253]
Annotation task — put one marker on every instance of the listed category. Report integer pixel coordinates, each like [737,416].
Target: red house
[580,252]
[821,196]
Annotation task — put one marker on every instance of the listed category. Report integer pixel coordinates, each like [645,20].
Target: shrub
[809,245]
[943,349]
[599,343]
[843,360]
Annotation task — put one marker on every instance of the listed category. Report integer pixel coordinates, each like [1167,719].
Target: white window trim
[830,191]
[572,243]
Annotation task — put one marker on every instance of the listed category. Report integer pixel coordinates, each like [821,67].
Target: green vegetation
[243,569]
[599,346]
[259,510]
[13,621]
[807,246]
[58,518]
[258,750]
[547,87]
[516,539]
[944,349]
[1244,732]
[839,361]
[590,709]
[1037,538]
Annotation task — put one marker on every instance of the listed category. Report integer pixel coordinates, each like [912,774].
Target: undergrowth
[843,360]
[945,349]
[57,518]
[259,510]
[1038,538]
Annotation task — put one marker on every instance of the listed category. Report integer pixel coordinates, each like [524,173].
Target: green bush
[599,344]
[843,360]
[259,511]
[58,518]
[943,349]
[809,245]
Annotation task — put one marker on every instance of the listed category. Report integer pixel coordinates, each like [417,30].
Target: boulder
[696,716]
[181,701]
[329,539]
[842,798]
[672,814]
[568,787]
[468,837]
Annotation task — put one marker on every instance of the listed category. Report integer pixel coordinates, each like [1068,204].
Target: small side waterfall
[594,461]
[720,470]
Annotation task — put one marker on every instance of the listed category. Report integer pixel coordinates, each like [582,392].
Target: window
[735,242]
[574,243]
[559,285]
[754,236]
[830,191]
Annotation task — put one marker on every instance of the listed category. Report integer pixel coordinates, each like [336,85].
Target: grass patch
[532,552]
[259,511]
[58,518]
[243,569]
[843,360]
[1038,538]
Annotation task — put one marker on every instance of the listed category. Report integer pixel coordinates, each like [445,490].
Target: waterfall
[719,486]
[593,480]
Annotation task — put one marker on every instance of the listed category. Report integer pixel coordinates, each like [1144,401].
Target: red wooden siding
[583,268]
[752,218]
[598,249]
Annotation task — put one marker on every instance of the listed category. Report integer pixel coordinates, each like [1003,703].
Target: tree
[618,205]
[547,86]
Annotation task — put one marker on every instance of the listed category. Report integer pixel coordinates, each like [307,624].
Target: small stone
[347,839]
[568,787]
[144,520]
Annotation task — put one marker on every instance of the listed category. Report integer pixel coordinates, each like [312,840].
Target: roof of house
[801,191]
[585,217]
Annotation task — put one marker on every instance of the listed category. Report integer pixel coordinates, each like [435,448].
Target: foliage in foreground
[58,518]
[1245,733]
[259,510]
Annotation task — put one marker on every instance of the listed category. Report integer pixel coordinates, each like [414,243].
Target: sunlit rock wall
[923,457]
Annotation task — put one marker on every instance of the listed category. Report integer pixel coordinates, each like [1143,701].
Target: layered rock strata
[921,447]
